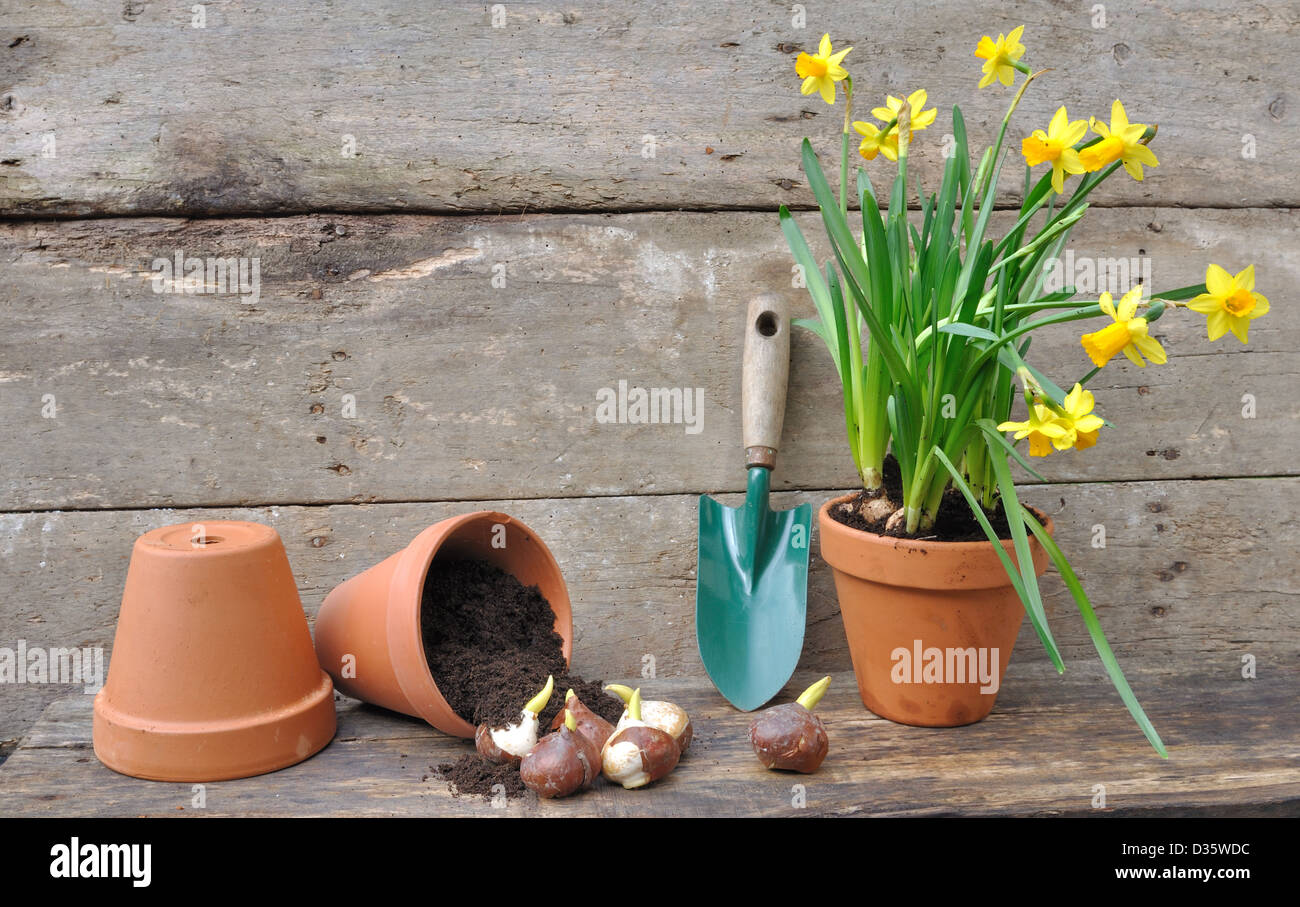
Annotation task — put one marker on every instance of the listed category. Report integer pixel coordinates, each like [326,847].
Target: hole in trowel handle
[767,324]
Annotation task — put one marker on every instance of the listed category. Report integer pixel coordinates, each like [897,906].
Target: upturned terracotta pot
[212,675]
[930,625]
[368,632]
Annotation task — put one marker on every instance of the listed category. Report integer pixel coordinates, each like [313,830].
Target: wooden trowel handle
[766,370]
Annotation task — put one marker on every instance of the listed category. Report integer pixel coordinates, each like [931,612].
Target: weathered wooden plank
[556,108]
[466,389]
[1194,576]
[1228,755]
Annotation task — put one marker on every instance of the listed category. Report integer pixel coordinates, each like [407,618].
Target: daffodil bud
[638,754]
[510,743]
[904,123]
[790,737]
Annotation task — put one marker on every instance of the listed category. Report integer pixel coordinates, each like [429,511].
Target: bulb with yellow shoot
[1056,146]
[1001,57]
[1128,334]
[1121,141]
[670,718]
[820,71]
[638,754]
[790,737]
[1231,303]
[511,742]
[562,762]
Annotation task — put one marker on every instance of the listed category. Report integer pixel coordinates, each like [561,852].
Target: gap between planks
[130,508]
[558,211]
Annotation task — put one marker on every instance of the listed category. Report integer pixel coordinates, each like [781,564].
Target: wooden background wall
[517,151]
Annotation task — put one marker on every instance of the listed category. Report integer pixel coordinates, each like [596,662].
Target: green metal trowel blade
[751,593]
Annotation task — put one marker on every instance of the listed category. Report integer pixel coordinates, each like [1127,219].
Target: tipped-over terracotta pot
[212,675]
[931,625]
[368,632]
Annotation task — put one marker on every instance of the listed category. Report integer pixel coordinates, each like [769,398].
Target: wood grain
[466,390]
[613,105]
[396,368]
[1227,756]
[1194,576]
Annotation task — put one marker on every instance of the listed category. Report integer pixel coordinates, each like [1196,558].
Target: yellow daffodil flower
[820,71]
[1076,426]
[1041,428]
[1000,56]
[1057,146]
[1231,303]
[876,141]
[1121,142]
[1127,335]
[916,102]
[1080,425]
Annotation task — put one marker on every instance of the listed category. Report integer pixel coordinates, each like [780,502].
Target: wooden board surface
[466,390]
[556,108]
[474,350]
[1191,579]
[1045,750]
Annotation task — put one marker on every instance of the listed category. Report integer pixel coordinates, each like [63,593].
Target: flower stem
[1002,133]
[844,147]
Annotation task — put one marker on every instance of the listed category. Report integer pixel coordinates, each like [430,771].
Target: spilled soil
[490,643]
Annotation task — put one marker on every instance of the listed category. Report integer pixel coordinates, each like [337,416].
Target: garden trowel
[751,588]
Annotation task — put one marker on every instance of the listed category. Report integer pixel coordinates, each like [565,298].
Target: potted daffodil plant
[928,318]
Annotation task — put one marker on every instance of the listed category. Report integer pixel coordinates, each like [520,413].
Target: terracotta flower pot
[368,632]
[212,674]
[904,602]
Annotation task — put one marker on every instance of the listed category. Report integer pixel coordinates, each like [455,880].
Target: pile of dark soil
[954,522]
[490,643]
[473,776]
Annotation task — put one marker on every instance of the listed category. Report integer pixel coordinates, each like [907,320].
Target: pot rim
[919,563]
[898,542]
